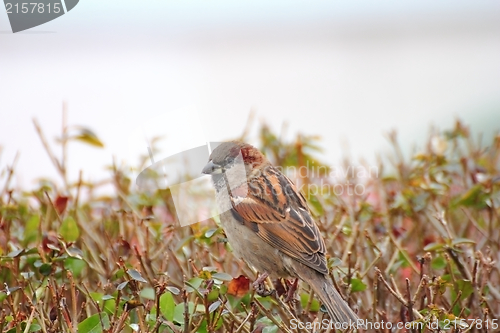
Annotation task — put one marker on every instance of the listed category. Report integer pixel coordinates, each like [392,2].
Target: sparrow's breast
[248,246]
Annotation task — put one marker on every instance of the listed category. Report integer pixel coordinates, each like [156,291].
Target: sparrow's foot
[291,291]
[259,286]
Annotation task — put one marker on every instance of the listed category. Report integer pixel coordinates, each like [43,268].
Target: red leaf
[406,272]
[60,203]
[50,242]
[238,286]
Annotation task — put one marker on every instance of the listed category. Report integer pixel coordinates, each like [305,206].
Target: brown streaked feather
[279,215]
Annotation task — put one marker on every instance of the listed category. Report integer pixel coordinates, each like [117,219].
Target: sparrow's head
[234,155]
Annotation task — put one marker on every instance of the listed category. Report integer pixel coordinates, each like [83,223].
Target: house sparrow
[268,223]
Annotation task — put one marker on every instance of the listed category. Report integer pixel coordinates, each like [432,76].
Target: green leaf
[74,252]
[27,275]
[96,296]
[179,312]
[304,299]
[214,306]
[445,277]
[167,306]
[357,285]
[31,232]
[210,269]
[34,328]
[270,329]
[213,295]
[109,305]
[15,254]
[223,289]
[69,229]
[211,232]
[94,324]
[474,197]
[122,285]
[135,275]
[466,287]
[45,269]
[222,276]
[173,290]
[75,266]
[433,247]
[193,284]
[458,241]
[89,137]
[438,263]
[10,290]
[203,327]
[334,262]
[148,293]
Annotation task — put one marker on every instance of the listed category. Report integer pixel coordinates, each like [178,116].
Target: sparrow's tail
[337,308]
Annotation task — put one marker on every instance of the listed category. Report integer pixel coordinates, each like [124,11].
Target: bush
[414,242]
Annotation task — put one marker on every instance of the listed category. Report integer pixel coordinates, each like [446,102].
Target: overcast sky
[346,70]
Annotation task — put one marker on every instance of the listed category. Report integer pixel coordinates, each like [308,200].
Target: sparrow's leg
[291,291]
[259,286]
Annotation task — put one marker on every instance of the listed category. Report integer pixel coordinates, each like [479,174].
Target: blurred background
[347,71]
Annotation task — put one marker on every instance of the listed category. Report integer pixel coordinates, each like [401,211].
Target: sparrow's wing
[277,212]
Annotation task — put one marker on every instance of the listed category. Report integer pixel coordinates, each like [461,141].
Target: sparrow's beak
[211,168]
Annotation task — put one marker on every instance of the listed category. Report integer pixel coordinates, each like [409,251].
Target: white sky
[348,71]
